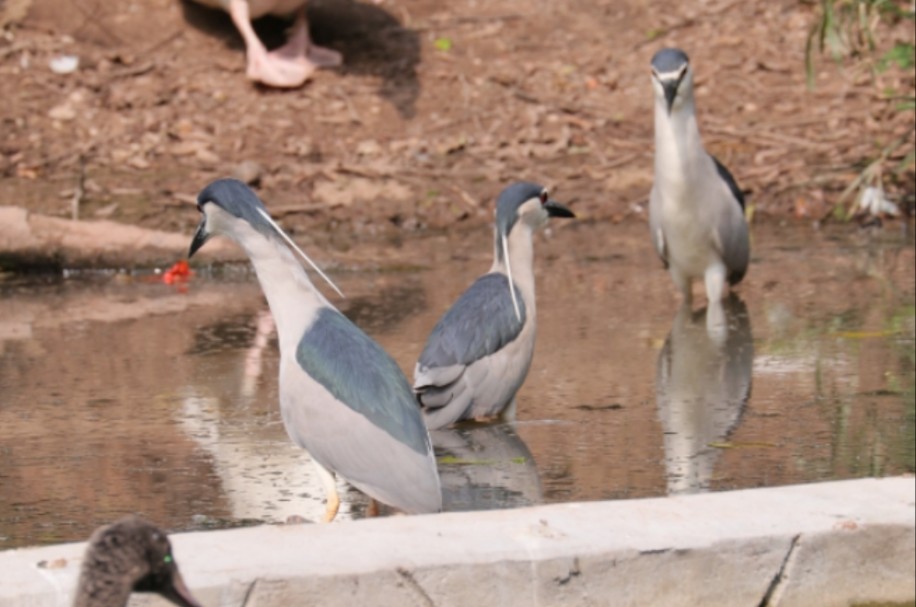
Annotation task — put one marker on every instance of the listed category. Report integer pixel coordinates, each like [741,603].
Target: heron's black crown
[669,60]
[237,199]
[510,199]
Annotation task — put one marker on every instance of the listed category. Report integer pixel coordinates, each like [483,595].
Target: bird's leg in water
[330,489]
[684,285]
[716,286]
[332,507]
[508,414]
[372,510]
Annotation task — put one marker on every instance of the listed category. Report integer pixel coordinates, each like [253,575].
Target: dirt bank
[437,107]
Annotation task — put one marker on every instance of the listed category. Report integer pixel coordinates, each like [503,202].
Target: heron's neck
[292,297]
[521,258]
[678,147]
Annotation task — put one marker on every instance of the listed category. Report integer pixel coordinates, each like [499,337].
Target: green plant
[850,28]
[856,30]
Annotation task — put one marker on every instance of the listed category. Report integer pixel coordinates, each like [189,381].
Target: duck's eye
[167,559]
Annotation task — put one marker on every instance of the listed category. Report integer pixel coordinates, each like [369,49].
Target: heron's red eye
[543,197]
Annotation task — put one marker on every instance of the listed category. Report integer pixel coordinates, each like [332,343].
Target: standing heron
[479,353]
[342,398]
[696,210]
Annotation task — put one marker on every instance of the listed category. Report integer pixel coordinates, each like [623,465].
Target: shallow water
[122,394]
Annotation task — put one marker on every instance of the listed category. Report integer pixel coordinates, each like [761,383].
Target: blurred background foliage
[876,37]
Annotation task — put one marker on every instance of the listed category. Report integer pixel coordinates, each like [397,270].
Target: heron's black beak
[555,209]
[200,236]
[670,87]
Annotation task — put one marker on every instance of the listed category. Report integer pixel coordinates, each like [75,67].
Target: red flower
[180,272]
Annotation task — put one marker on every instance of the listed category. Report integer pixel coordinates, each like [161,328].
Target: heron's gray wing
[333,427]
[729,180]
[655,226]
[481,322]
[732,229]
[362,376]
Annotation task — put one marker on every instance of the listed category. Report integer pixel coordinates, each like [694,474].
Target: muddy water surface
[122,394]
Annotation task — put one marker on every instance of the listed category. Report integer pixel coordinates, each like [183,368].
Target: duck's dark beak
[177,591]
[555,209]
[200,236]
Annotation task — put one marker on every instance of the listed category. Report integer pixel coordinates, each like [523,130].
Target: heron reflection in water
[485,467]
[702,385]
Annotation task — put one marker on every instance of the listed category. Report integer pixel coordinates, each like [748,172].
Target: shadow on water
[121,394]
[384,310]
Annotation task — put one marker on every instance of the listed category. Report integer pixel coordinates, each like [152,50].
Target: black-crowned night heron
[479,353]
[288,66]
[342,398]
[696,210]
[702,384]
[130,555]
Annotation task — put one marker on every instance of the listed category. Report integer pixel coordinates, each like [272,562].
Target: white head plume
[290,242]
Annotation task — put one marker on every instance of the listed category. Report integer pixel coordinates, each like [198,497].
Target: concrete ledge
[837,543]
